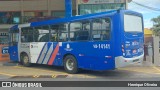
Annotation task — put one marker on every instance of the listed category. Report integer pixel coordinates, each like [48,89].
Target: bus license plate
[136,60]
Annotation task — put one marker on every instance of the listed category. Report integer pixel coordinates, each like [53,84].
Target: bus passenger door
[13,45]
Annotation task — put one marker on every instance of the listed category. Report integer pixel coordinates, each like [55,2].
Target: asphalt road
[50,73]
[43,71]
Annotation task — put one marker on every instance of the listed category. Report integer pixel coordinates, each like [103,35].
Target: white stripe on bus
[43,54]
[48,54]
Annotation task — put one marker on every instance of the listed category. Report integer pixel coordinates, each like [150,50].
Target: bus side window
[54,33]
[45,33]
[27,34]
[41,34]
[63,33]
[59,33]
[74,27]
[101,29]
[79,31]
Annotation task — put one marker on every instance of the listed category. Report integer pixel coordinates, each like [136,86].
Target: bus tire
[70,64]
[25,60]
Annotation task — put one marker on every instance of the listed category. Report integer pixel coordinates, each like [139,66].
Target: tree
[156,26]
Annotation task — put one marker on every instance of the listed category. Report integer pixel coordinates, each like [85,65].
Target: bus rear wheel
[25,60]
[70,64]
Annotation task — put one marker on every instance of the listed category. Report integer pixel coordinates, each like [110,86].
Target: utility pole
[48,8]
[77,3]
[22,11]
[126,4]
[68,7]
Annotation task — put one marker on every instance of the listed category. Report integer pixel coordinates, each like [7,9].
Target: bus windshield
[132,23]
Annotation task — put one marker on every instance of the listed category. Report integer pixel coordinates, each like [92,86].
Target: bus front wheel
[70,64]
[25,60]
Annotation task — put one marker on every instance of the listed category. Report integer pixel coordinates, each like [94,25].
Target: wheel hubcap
[25,59]
[70,64]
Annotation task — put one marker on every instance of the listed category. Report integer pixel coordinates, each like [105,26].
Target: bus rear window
[132,23]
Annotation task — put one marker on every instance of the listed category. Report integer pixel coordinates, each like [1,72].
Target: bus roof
[67,19]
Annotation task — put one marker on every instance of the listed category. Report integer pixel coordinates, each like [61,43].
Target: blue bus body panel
[13,52]
[132,41]
[89,55]
[133,46]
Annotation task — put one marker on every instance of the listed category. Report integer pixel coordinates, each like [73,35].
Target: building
[24,11]
[148,36]
[94,6]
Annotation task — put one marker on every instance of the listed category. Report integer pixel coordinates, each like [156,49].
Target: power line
[148,7]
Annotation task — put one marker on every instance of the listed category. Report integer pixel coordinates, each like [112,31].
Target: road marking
[156,68]
[39,69]
[53,76]
[54,72]
[36,76]
[7,74]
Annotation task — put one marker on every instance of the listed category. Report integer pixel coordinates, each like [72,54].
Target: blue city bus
[100,41]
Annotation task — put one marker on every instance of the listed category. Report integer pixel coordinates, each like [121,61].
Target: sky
[147,13]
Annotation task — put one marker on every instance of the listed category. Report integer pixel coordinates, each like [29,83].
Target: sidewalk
[2,62]
[144,67]
[147,63]
[143,64]
[8,63]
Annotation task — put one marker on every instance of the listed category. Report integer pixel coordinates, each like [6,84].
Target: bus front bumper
[122,62]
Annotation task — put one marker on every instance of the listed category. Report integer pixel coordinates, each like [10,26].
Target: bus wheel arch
[24,59]
[70,63]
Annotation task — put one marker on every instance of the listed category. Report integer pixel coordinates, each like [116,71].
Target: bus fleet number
[102,46]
